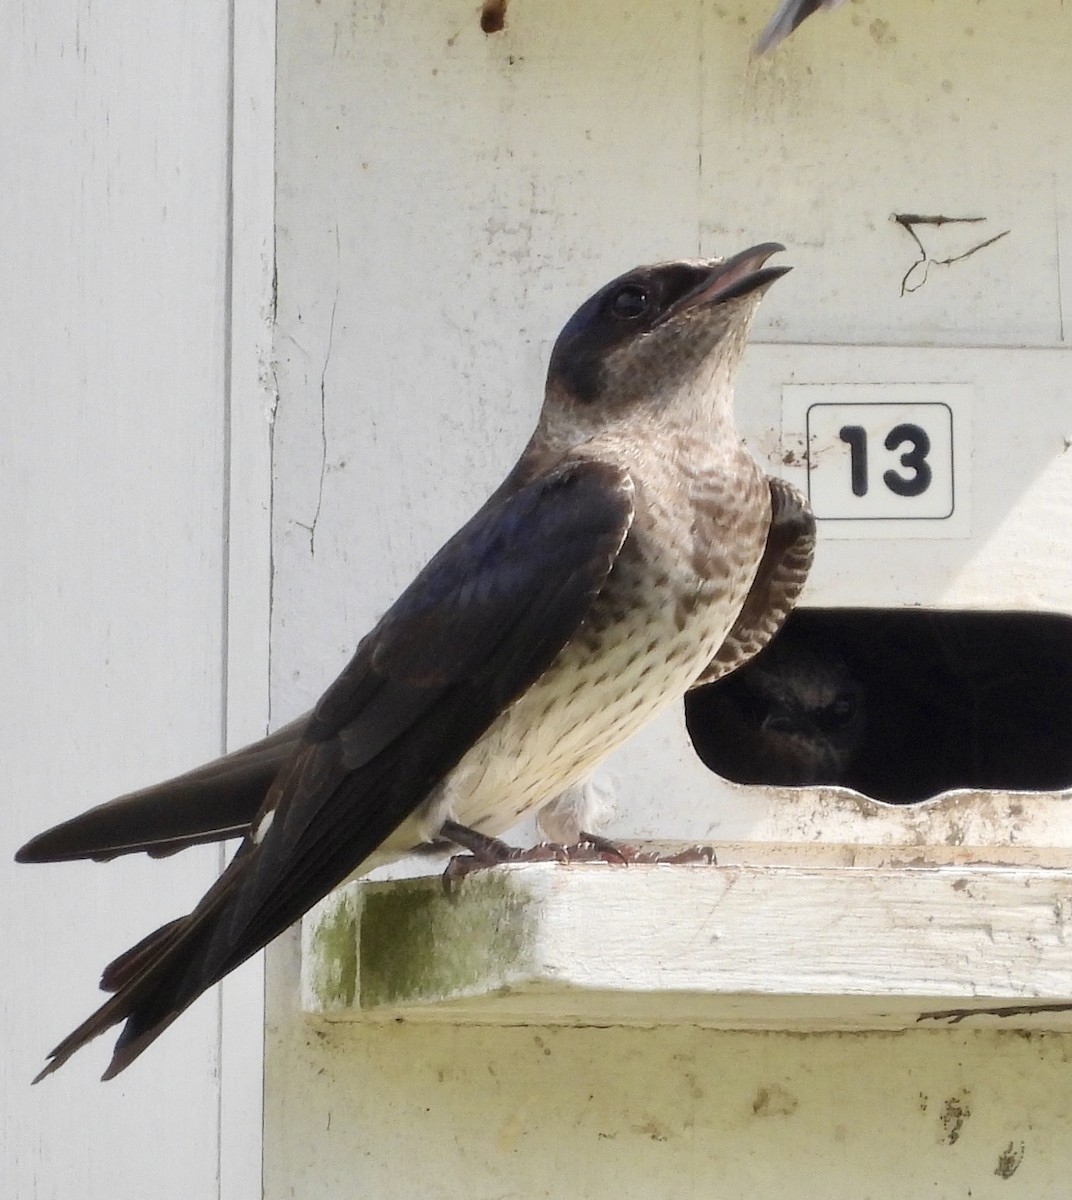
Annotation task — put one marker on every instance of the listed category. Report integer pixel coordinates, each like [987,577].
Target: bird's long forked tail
[143,979]
[132,987]
[126,966]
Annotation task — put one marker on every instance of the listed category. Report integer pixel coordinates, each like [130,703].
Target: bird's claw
[592,849]
[689,856]
[610,851]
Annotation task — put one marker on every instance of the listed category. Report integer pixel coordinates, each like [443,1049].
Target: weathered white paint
[478,1113]
[444,201]
[119,542]
[541,944]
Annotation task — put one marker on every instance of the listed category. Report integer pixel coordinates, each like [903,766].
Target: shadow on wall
[900,705]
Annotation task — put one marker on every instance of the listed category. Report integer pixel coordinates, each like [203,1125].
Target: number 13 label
[884,460]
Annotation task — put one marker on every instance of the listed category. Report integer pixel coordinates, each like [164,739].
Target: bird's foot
[691,855]
[485,851]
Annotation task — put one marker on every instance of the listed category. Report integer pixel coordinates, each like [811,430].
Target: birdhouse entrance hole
[900,705]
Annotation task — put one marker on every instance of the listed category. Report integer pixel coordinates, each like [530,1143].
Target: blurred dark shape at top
[786,19]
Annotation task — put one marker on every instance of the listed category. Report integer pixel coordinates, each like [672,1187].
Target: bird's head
[673,330]
[809,710]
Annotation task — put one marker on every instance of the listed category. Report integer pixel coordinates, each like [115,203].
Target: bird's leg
[490,851]
[487,851]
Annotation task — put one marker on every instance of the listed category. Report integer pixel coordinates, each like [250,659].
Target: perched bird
[794,715]
[634,546]
[786,19]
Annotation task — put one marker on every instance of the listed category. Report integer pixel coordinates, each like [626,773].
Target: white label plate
[883,460]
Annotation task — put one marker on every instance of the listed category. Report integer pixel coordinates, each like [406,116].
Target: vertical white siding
[114,239]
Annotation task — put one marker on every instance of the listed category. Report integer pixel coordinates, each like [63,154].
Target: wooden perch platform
[784,941]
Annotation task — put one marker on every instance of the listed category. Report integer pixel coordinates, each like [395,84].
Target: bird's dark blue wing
[481,622]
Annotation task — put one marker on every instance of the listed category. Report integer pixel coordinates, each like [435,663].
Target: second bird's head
[658,332]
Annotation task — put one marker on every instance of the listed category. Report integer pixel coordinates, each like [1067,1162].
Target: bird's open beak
[734,277]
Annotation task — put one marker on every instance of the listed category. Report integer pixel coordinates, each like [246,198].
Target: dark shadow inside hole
[898,704]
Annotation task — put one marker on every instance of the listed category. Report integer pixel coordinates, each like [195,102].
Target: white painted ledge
[742,945]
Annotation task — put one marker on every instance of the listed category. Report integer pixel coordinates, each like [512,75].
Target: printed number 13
[914,459]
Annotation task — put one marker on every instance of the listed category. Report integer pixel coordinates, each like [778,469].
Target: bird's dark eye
[841,711]
[629,302]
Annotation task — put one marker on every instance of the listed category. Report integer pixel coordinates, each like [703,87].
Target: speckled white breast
[673,595]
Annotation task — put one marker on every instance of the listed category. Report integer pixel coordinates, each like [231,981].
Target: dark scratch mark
[323,406]
[955,1015]
[945,262]
[908,222]
[917,219]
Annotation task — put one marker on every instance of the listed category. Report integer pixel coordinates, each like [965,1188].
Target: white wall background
[131,581]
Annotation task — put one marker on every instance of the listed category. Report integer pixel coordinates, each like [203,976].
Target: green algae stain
[335,953]
[419,944]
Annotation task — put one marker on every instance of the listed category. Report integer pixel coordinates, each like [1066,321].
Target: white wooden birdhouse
[287,281]
[910,376]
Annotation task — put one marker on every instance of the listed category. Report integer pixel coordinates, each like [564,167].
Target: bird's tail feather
[121,1006]
[155,980]
[211,803]
[120,971]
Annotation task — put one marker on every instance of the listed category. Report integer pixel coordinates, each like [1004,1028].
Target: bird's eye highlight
[629,302]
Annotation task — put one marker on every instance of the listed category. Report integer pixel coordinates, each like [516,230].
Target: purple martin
[795,715]
[634,547]
[789,15]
